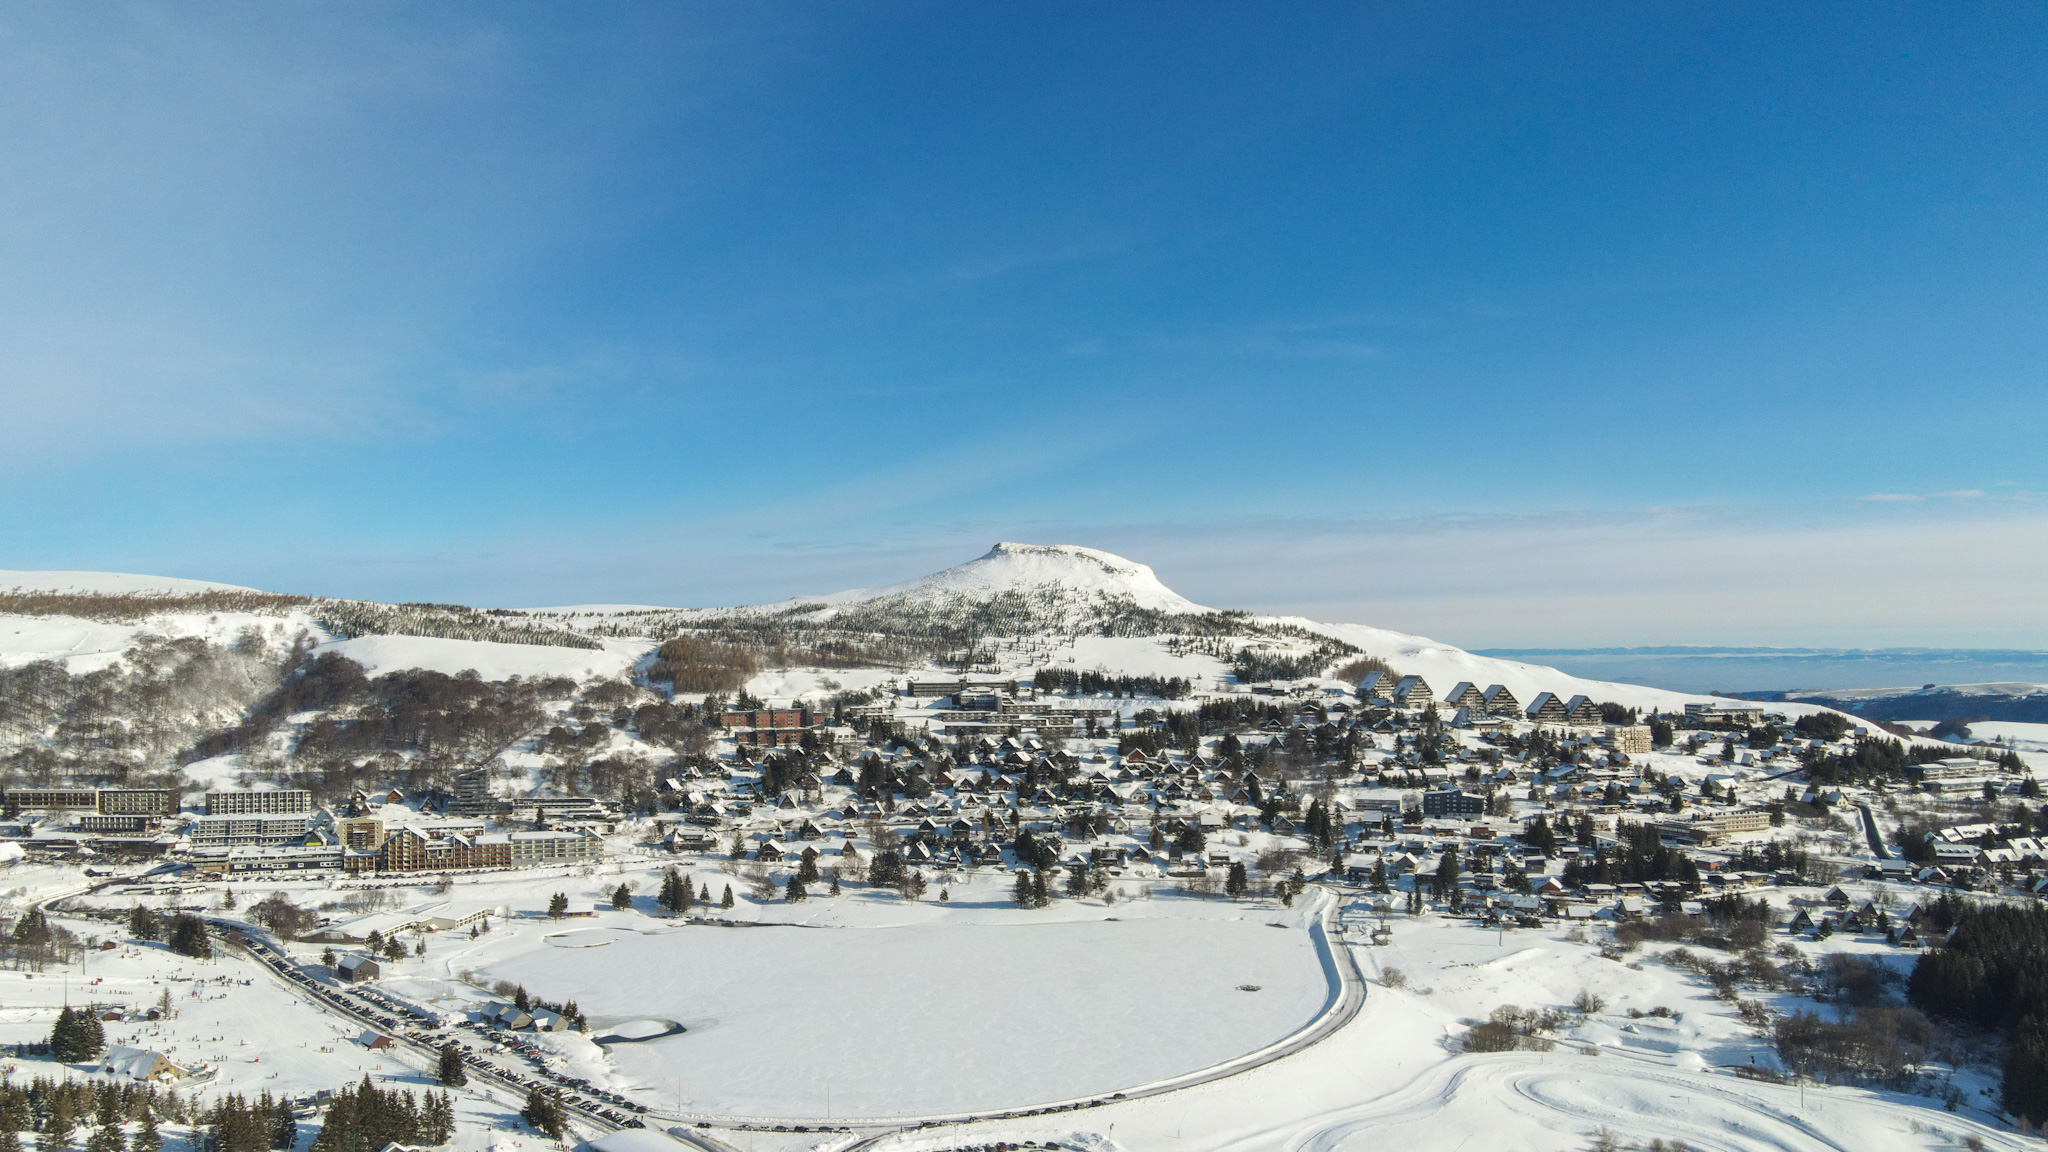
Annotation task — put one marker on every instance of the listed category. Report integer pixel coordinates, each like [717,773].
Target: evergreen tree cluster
[145,924]
[238,1124]
[77,1036]
[1067,681]
[1871,759]
[1030,890]
[35,942]
[1993,973]
[54,1110]
[1778,856]
[1252,665]
[1321,825]
[189,938]
[366,1118]
[545,1113]
[1037,850]
[448,1069]
[1823,726]
[675,897]
[1642,856]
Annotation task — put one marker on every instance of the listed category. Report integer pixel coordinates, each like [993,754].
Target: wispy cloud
[2005,494]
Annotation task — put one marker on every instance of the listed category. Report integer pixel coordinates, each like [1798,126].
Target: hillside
[2020,702]
[125,678]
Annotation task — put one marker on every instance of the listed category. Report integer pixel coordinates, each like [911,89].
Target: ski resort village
[1031,853]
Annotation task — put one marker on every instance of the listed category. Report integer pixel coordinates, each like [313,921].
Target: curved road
[274,961]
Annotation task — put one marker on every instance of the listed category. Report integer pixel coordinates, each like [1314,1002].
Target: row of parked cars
[538,1056]
[413,1025]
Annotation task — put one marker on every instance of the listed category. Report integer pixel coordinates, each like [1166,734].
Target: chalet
[1582,710]
[1498,701]
[1548,709]
[1413,692]
[139,1065]
[1465,695]
[1375,685]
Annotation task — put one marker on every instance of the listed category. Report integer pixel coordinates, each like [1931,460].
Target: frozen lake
[934,1018]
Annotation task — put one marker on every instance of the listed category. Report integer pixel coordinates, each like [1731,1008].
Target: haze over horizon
[1627,326]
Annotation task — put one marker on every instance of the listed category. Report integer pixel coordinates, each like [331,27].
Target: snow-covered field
[2029,740]
[1390,1079]
[916,1009]
[229,1016]
[492,661]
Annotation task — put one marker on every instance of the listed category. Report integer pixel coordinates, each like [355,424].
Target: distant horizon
[1755,670]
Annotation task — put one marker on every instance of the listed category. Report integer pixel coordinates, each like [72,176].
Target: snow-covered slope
[1009,567]
[492,661]
[108,583]
[1443,666]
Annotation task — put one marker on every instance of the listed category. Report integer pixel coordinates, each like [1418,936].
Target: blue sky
[1583,324]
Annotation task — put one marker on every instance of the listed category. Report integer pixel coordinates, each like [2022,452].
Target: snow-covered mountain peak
[1012,567]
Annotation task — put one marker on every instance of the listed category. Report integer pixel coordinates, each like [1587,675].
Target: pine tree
[107,1138]
[1447,876]
[284,1127]
[143,924]
[1238,883]
[11,1117]
[725,901]
[450,1071]
[622,898]
[536,1108]
[794,891]
[835,884]
[558,906]
[64,1035]
[56,1133]
[188,937]
[807,866]
[704,896]
[1022,894]
[147,1138]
